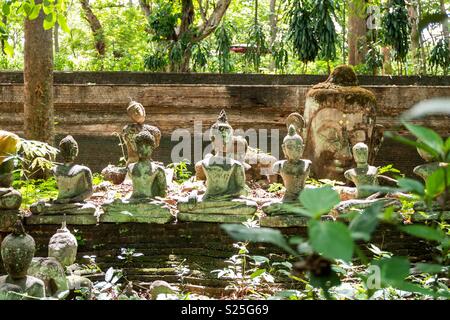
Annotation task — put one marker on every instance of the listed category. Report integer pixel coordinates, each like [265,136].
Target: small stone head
[136,112]
[292,144]
[68,148]
[145,144]
[221,132]
[63,246]
[360,153]
[17,251]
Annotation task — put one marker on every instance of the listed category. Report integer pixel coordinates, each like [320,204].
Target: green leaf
[332,239]
[435,183]
[319,201]
[393,270]
[35,13]
[62,21]
[428,107]
[447,145]
[429,267]
[424,232]
[427,136]
[9,50]
[6,8]
[257,273]
[411,185]
[364,224]
[242,233]
[415,144]
[48,21]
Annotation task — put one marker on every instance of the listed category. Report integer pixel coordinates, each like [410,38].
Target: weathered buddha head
[221,134]
[136,112]
[339,114]
[68,148]
[17,251]
[292,145]
[145,144]
[360,153]
[63,246]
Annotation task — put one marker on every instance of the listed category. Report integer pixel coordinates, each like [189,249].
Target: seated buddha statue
[225,178]
[10,199]
[74,184]
[294,171]
[149,183]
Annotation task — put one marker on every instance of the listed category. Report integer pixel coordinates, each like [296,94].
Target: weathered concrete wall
[91,106]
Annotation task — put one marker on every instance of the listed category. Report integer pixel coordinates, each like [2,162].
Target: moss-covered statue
[74,185]
[294,171]
[363,174]
[136,112]
[225,182]
[17,251]
[338,114]
[149,186]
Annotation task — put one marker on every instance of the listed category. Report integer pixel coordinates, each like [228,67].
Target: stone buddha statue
[74,185]
[294,171]
[338,114]
[149,183]
[10,199]
[225,179]
[17,251]
[136,112]
[363,174]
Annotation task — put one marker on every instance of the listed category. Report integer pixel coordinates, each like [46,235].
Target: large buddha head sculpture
[339,114]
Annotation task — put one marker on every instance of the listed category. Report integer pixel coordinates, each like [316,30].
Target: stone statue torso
[294,175]
[363,176]
[72,180]
[144,176]
[222,176]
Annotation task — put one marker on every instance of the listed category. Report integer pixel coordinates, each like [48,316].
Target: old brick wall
[91,106]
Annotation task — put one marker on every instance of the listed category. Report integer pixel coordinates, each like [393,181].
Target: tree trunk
[445,23]
[415,37]
[56,37]
[387,62]
[96,27]
[357,29]
[145,6]
[273,22]
[5,21]
[38,81]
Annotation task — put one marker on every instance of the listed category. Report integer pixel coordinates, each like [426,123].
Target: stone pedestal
[218,218]
[7,219]
[46,208]
[283,221]
[224,211]
[152,211]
